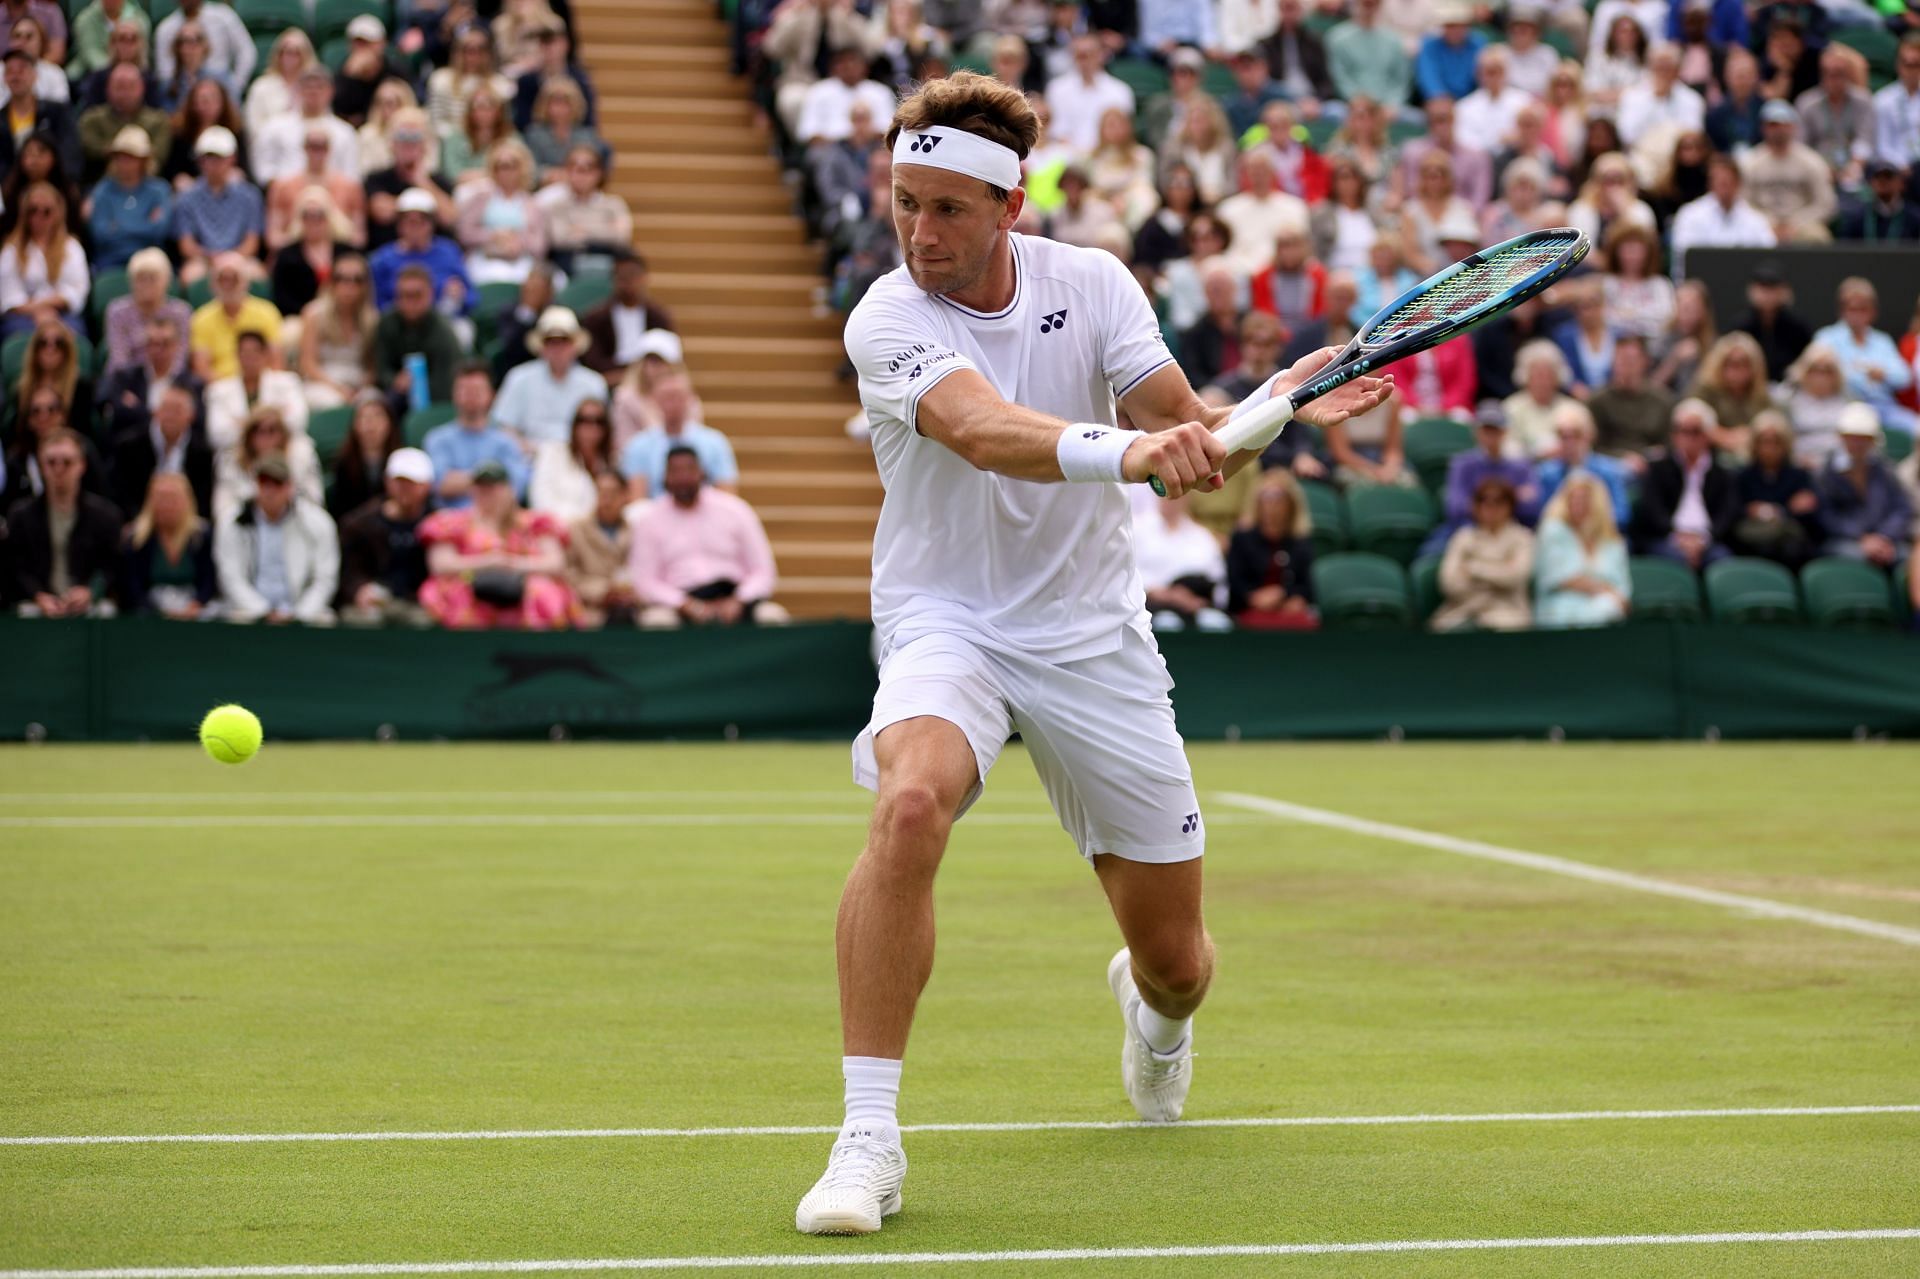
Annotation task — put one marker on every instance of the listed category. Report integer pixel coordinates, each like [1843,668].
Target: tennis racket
[1464,296]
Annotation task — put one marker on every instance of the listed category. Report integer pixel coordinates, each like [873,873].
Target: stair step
[804,452]
[717,228]
[769,388]
[696,197]
[703,8]
[700,111]
[814,598]
[717,59]
[818,523]
[787,258]
[693,288]
[667,166]
[788,418]
[789,321]
[766,484]
[732,355]
[674,139]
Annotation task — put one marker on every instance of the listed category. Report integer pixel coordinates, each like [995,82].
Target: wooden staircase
[714,217]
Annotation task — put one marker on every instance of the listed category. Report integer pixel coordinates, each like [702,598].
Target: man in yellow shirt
[217,326]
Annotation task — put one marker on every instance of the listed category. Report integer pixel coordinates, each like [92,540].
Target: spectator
[1882,212]
[1788,181]
[277,148]
[370,65]
[1293,286]
[129,210]
[1472,166]
[167,566]
[1487,567]
[1083,217]
[1522,206]
[826,111]
[1163,114]
[634,408]
[347,196]
[132,391]
[1630,413]
[1367,449]
[411,169]
[255,385]
[517,32]
[1366,60]
[1772,322]
[1639,298]
[1874,368]
[1531,61]
[1733,123]
[1077,100]
[90,39]
[472,67]
[1270,561]
[303,265]
[494,565]
[30,116]
[599,549]
[1720,218]
[1896,110]
[498,223]
[557,128]
[555,60]
[514,321]
[798,37]
[1492,110]
[1444,67]
[1733,383]
[412,328]
[1838,118]
[463,152]
[1237,360]
[1362,138]
[1540,371]
[1616,58]
[1609,197]
[174,443]
[278,556]
[1661,100]
[1574,439]
[217,326]
[1867,514]
[359,465]
[700,554]
[839,170]
[383,563]
[1467,470]
[1586,340]
[1687,506]
[1122,171]
[471,441]
[1819,397]
[230,50]
[33,29]
[43,270]
[1582,578]
[126,42]
[1343,226]
[1255,214]
[580,214]
[416,244]
[1686,344]
[274,92]
[1779,507]
[192,66]
[537,400]
[263,435]
[104,128]
[336,336]
[1433,213]
[644,459]
[63,543]
[205,104]
[43,413]
[564,473]
[222,213]
[617,326]
[1565,117]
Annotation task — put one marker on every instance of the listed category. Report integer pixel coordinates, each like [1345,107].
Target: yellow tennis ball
[230,734]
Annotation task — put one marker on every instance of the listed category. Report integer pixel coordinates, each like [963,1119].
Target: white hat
[1859,419]
[1458,226]
[1449,12]
[416,200]
[664,343]
[366,27]
[558,322]
[410,464]
[218,140]
[133,141]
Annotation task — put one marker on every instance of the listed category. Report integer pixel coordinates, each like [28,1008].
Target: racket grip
[1238,434]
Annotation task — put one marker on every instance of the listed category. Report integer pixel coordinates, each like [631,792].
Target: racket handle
[1243,430]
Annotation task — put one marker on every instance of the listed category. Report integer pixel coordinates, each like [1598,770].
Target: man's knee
[1180,967]
[910,827]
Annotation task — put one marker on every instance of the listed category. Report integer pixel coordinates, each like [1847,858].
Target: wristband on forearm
[1260,396]
[1092,454]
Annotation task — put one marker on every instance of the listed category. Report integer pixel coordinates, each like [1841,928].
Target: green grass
[185,976]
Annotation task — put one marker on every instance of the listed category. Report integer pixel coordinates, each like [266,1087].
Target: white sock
[873,1093]
[1163,1034]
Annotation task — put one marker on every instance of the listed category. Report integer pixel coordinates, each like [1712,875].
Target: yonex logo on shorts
[924,142]
[1191,825]
[1053,320]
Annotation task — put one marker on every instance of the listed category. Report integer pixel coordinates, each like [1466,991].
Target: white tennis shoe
[860,1187]
[1157,1086]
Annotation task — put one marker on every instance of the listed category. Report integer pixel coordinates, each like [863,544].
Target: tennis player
[1005,596]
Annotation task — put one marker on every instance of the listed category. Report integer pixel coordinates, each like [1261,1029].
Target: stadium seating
[328,428]
[1388,520]
[1847,593]
[1663,591]
[1898,446]
[1430,445]
[330,17]
[1424,577]
[270,16]
[420,421]
[1743,589]
[1358,591]
[1329,513]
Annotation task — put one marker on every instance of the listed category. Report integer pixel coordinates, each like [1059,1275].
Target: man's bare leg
[1159,978]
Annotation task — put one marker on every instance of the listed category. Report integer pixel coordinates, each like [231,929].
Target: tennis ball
[230,734]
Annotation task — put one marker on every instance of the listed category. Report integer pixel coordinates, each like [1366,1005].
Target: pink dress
[546,605]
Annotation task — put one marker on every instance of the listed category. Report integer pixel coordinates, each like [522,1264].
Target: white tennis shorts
[1100,731]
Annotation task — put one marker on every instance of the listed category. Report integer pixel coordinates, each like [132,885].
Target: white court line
[777,1261]
[1063,1125]
[288,821]
[1572,869]
[848,794]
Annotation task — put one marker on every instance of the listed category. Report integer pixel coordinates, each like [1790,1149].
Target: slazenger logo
[923,142]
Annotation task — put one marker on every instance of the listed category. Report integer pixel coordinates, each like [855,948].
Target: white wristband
[1254,401]
[1092,454]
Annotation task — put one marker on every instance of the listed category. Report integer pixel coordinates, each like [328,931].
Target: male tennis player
[1006,598]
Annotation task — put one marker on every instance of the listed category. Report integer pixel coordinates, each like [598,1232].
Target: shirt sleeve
[899,354]
[725,469]
[1133,346]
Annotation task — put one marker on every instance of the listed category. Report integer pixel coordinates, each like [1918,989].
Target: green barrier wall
[135,679]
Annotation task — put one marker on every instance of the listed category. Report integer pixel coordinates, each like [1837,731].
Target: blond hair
[1708,378]
[973,103]
[1598,528]
[57,238]
[1280,480]
[141,531]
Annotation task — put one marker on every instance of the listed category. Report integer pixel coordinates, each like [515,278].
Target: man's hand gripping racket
[1467,294]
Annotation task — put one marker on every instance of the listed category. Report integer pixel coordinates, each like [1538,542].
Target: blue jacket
[443,257]
[1610,471]
[126,221]
[1851,514]
[1443,70]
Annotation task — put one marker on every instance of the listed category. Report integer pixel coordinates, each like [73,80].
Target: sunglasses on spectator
[349,277]
[49,344]
[40,410]
[1491,499]
[595,419]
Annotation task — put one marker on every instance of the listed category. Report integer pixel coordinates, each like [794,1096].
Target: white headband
[942,148]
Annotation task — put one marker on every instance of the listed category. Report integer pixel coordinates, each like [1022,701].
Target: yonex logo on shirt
[924,142]
[1053,320]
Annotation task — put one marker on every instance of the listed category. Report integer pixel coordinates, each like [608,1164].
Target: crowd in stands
[312,314]
[1275,170]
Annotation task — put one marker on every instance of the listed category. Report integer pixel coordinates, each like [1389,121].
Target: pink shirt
[677,548]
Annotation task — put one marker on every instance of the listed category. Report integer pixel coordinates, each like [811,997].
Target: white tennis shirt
[1046,569]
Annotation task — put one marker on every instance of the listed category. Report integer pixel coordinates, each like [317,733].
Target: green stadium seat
[1425,579]
[584,293]
[1897,445]
[1562,43]
[1663,591]
[328,428]
[13,358]
[1401,132]
[1143,77]
[1430,445]
[1878,45]
[265,17]
[160,10]
[330,17]
[1357,591]
[1902,592]
[263,52]
[969,62]
[1320,132]
[1319,21]
[1388,520]
[420,421]
[1329,514]
[1847,593]
[1218,80]
[333,54]
[1747,590]
[108,286]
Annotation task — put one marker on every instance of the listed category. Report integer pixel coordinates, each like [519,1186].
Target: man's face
[1833,75]
[1629,363]
[409,495]
[125,90]
[673,398]
[849,67]
[1908,65]
[609,498]
[630,284]
[1492,438]
[683,478]
[414,298]
[409,149]
[1250,74]
[252,355]
[1778,134]
[1087,58]
[1574,443]
[1859,310]
[559,353]
[127,169]
[1859,448]
[317,149]
[472,396]
[1290,250]
[414,229]
[1454,33]
[1440,120]
[1724,181]
[1689,437]
[1493,74]
[1342,294]
[63,466]
[1260,342]
[229,285]
[583,174]
[175,415]
[161,349]
[275,495]
[316,95]
[1742,74]
[216,168]
[19,77]
[948,225]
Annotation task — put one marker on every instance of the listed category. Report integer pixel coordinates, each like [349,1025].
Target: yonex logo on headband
[959,152]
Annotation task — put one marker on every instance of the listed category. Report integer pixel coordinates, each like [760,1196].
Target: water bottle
[419,395]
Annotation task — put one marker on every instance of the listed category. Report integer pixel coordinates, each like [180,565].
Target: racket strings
[1467,291]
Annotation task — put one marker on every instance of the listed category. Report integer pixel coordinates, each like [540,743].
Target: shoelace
[852,1159]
